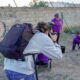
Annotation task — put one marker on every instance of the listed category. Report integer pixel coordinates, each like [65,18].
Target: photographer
[41,58]
[40,42]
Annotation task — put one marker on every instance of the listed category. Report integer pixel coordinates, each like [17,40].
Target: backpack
[15,41]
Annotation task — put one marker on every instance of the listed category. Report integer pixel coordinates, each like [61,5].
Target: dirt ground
[66,69]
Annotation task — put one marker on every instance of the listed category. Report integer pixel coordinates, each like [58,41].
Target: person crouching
[76,41]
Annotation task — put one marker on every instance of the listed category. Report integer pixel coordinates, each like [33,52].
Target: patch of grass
[65,77]
[71,29]
[63,36]
[70,79]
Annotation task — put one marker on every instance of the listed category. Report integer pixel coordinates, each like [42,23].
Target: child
[76,40]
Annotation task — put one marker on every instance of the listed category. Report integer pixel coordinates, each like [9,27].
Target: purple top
[42,57]
[76,39]
[57,25]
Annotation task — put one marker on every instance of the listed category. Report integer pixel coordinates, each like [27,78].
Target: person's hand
[53,37]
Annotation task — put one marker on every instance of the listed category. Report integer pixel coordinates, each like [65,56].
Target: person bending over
[40,42]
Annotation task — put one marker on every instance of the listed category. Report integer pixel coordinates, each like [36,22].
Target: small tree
[39,4]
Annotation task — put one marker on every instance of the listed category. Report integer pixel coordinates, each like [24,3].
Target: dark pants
[74,45]
[58,36]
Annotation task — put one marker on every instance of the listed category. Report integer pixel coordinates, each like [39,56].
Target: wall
[11,15]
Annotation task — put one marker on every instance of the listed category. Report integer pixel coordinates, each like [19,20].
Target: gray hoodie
[40,42]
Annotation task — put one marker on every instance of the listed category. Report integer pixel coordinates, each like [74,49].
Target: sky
[21,3]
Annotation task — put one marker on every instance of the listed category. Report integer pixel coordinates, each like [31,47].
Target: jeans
[11,75]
